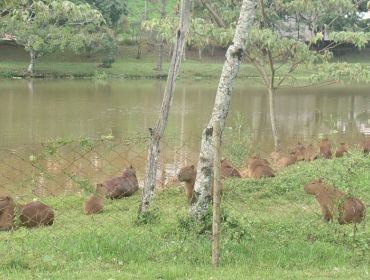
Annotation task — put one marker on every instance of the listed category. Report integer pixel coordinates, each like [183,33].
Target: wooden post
[216,221]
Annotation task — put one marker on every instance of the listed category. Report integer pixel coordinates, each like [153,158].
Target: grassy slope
[271,230]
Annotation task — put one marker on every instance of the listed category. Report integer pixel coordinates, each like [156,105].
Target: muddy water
[32,113]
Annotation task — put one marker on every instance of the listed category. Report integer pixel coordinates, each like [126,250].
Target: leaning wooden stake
[216,222]
[157,132]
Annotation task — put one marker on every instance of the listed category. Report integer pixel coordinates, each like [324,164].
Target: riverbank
[127,67]
[270,230]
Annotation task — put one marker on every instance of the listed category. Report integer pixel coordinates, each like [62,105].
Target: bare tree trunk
[216,221]
[31,66]
[234,56]
[275,133]
[200,51]
[161,43]
[157,132]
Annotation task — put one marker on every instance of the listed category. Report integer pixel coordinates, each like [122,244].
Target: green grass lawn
[270,230]
[13,63]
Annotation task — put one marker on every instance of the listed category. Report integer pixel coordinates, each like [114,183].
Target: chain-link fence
[64,173]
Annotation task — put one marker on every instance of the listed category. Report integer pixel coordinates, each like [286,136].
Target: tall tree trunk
[157,132]
[234,56]
[274,128]
[31,66]
[161,42]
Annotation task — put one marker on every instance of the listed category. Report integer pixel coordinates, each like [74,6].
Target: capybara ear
[320,180]
[131,166]
[192,166]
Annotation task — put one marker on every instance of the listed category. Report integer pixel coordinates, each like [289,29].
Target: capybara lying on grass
[333,201]
[283,160]
[227,170]
[95,203]
[36,214]
[365,145]
[7,207]
[258,167]
[123,186]
[342,150]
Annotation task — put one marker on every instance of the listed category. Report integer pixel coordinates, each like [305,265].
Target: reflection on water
[35,112]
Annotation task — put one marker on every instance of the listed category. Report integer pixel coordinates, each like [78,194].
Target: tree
[157,132]
[112,10]
[55,26]
[234,57]
[277,53]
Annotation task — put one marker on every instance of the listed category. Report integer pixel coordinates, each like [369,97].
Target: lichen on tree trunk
[230,70]
[157,132]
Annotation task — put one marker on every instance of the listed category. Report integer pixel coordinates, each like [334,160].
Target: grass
[13,64]
[270,230]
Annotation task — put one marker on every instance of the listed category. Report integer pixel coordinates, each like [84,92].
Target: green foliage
[56,26]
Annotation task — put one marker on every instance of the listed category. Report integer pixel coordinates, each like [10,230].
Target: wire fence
[63,173]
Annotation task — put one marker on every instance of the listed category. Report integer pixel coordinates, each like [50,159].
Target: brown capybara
[365,145]
[95,203]
[325,148]
[123,186]
[227,170]
[258,167]
[188,174]
[282,159]
[332,201]
[7,207]
[36,214]
[342,150]
[310,153]
[299,151]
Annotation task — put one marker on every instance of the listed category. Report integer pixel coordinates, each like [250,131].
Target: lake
[35,112]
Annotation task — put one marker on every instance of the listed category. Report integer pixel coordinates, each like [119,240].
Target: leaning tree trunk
[31,66]
[157,132]
[275,133]
[230,70]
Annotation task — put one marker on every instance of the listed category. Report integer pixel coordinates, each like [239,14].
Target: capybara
[259,167]
[188,174]
[325,148]
[310,153]
[365,145]
[299,151]
[95,203]
[227,170]
[36,214]
[342,150]
[7,207]
[282,159]
[332,201]
[123,186]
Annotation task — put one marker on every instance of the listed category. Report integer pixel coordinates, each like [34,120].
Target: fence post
[216,221]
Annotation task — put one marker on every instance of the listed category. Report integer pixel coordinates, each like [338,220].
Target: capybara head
[129,172]
[187,174]
[315,187]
